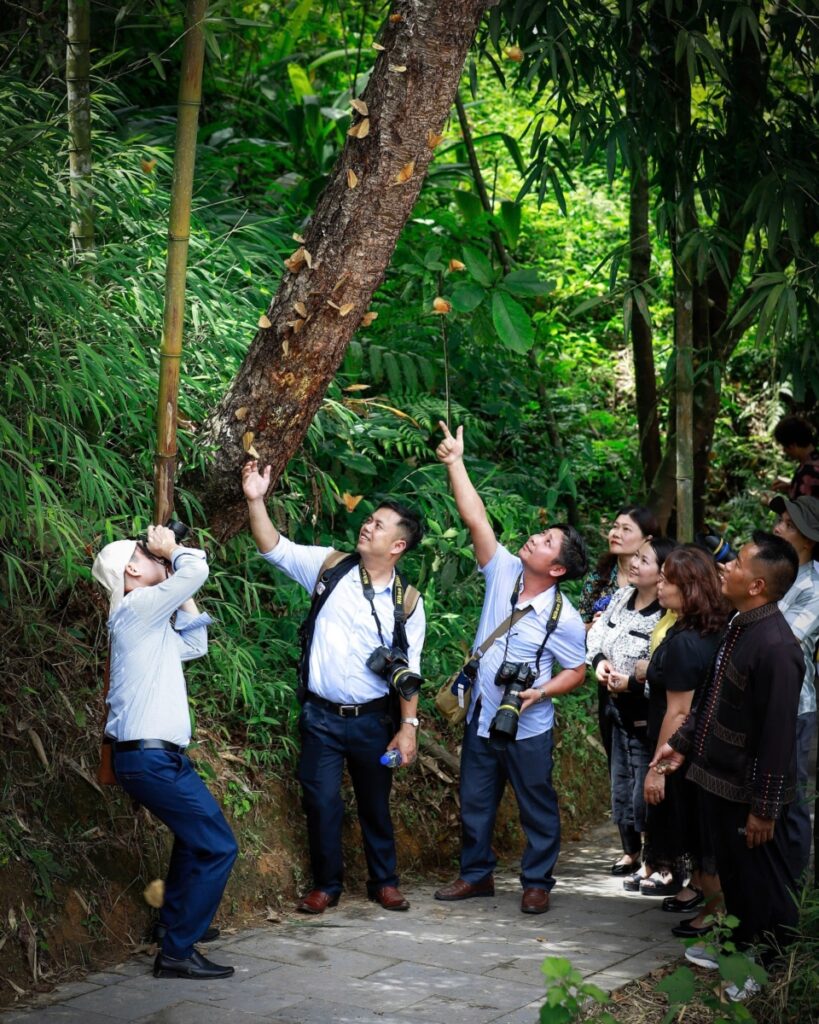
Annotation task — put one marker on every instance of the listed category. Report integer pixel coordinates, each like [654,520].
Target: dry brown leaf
[247,440]
[396,17]
[297,238]
[227,756]
[272,915]
[441,306]
[351,500]
[332,304]
[360,107]
[300,308]
[252,452]
[357,387]
[362,129]
[148,166]
[308,259]
[399,69]
[352,178]
[286,347]
[39,749]
[515,53]
[368,318]
[264,322]
[154,893]
[297,325]
[433,139]
[295,262]
[405,173]
[378,46]
[241,413]
[346,309]
[456,265]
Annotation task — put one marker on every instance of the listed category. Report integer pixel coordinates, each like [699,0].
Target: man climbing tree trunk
[330,278]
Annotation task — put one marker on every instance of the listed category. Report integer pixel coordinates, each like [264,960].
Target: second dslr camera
[514,676]
[393,666]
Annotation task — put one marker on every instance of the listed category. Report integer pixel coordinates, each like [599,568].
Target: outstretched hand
[451,449]
[254,483]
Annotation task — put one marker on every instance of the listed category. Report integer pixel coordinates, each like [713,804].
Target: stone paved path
[475,962]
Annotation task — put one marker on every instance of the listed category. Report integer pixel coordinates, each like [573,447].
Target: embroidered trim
[735,739]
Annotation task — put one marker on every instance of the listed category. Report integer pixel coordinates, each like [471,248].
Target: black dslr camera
[392,665]
[514,676]
[178,529]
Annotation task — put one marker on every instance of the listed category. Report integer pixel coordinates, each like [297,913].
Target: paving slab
[476,961]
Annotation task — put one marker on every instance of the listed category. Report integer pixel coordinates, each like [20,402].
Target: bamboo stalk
[78,90]
[190,93]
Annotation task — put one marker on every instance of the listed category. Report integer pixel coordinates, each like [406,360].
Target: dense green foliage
[81,339]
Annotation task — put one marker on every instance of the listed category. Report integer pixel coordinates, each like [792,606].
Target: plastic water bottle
[391,759]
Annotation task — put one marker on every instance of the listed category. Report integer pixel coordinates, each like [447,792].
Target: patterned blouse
[622,634]
[595,590]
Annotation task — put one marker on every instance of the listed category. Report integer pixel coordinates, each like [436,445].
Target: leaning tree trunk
[187,125]
[78,89]
[331,277]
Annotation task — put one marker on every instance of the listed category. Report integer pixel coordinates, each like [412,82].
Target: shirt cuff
[184,552]
[187,620]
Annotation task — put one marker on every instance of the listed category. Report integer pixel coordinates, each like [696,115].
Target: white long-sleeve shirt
[147,697]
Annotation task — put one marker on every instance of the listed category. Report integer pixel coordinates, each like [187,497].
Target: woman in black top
[690,586]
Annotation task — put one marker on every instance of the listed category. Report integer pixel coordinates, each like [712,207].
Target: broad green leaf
[467,297]
[479,267]
[512,322]
[469,205]
[299,81]
[509,216]
[527,282]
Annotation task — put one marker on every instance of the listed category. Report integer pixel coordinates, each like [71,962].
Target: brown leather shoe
[316,901]
[461,890]
[390,898]
[534,901]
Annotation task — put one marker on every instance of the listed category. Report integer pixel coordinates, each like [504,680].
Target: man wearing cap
[153,626]
[798,523]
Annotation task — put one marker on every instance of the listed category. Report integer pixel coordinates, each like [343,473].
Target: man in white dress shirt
[153,626]
[345,713]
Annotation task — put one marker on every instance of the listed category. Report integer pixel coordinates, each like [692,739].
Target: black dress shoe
[686,930]
[159,931]
[673,905]
[195,967]
[621,870]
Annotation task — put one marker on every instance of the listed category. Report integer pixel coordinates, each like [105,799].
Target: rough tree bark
[78,89]
[347,246]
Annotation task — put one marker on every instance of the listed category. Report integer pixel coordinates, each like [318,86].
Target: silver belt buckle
[348,710]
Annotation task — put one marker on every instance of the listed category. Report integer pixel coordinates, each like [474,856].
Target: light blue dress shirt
[147,697]
[567,644]
[800,606]
[346,634]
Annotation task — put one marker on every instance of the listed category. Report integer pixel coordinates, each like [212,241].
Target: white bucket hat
[109,569]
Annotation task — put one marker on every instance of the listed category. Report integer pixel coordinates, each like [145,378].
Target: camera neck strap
[399,636]
[517,614]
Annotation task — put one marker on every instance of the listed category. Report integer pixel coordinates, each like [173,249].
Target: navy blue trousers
[327,742]
[527,765]
[203,850]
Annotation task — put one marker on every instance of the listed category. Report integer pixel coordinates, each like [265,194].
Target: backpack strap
[334,566]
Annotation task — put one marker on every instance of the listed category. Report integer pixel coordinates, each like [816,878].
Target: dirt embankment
[74,859]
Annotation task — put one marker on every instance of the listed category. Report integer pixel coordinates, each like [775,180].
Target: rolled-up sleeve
[301,562]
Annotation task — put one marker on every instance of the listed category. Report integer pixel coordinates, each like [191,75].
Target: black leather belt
[126,745]
[350,710]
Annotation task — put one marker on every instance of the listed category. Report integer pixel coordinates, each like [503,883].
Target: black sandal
[677,906]
[621,870]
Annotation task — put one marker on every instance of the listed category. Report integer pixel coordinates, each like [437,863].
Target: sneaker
[735,994]
[702,956]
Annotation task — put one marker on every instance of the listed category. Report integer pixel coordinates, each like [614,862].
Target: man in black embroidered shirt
[739,742]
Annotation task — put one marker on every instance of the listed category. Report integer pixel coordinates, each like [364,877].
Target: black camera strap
[399,633]
[551,625]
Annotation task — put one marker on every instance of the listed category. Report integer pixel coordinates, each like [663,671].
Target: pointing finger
[459,433]
[444,428]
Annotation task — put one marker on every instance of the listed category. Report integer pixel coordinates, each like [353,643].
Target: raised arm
[254,485]
[470,507]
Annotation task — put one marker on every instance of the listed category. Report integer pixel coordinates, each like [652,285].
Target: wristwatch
[410,721]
